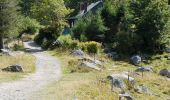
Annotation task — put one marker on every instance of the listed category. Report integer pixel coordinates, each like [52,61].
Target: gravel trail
[47,71]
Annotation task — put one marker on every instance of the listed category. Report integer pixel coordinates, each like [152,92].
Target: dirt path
[48,70]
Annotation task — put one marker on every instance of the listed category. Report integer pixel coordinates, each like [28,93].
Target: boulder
[167,50]
[113,55]
[125,95]
[144,69]
[142,89]
[5,51]
[117,80]
[165,72]
[168,58]
[78,53]
[136,59]
[91,60]
[90,65]
[13,68]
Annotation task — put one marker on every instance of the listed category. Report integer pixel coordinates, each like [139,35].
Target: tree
[152,22]
[50,13]
[113,13]
[90,26]
[8,18]
[26,6]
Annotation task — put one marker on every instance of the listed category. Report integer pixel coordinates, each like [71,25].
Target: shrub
[68,42]
[46,33]
[82,46]
[90,47]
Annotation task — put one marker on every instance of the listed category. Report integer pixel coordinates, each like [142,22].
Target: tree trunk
[1,42]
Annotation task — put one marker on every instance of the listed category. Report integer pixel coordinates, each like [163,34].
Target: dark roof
[89,8]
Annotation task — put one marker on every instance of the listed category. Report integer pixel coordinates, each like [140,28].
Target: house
[84,10]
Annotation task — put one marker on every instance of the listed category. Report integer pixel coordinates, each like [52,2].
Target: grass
[95,86]
[27,61]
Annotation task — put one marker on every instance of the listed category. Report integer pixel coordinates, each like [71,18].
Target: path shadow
[32,47]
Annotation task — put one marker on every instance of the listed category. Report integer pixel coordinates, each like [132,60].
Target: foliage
[92,28]
[143,26]
[46,34]
[91,47]
[28,25]
[151,20]
[111,17]
[8,18]
[68,42]
[46,43]
[79,28]
[31,25]
[50,13]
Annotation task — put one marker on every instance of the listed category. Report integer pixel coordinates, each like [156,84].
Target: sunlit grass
[95,86]
[27,61]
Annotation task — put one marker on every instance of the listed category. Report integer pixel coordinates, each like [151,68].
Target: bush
[68,42]
[90,47]
[46,33]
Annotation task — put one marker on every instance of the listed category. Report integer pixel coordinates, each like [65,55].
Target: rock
[167,50]
[5,51]
[168,58]
[136,59]
[142,89]
[13,68]
[91,60]
[144,69]
[117,80]
[78,53]
[113,55]
[90,65]
[125,95]
[98,62]
[165,72]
